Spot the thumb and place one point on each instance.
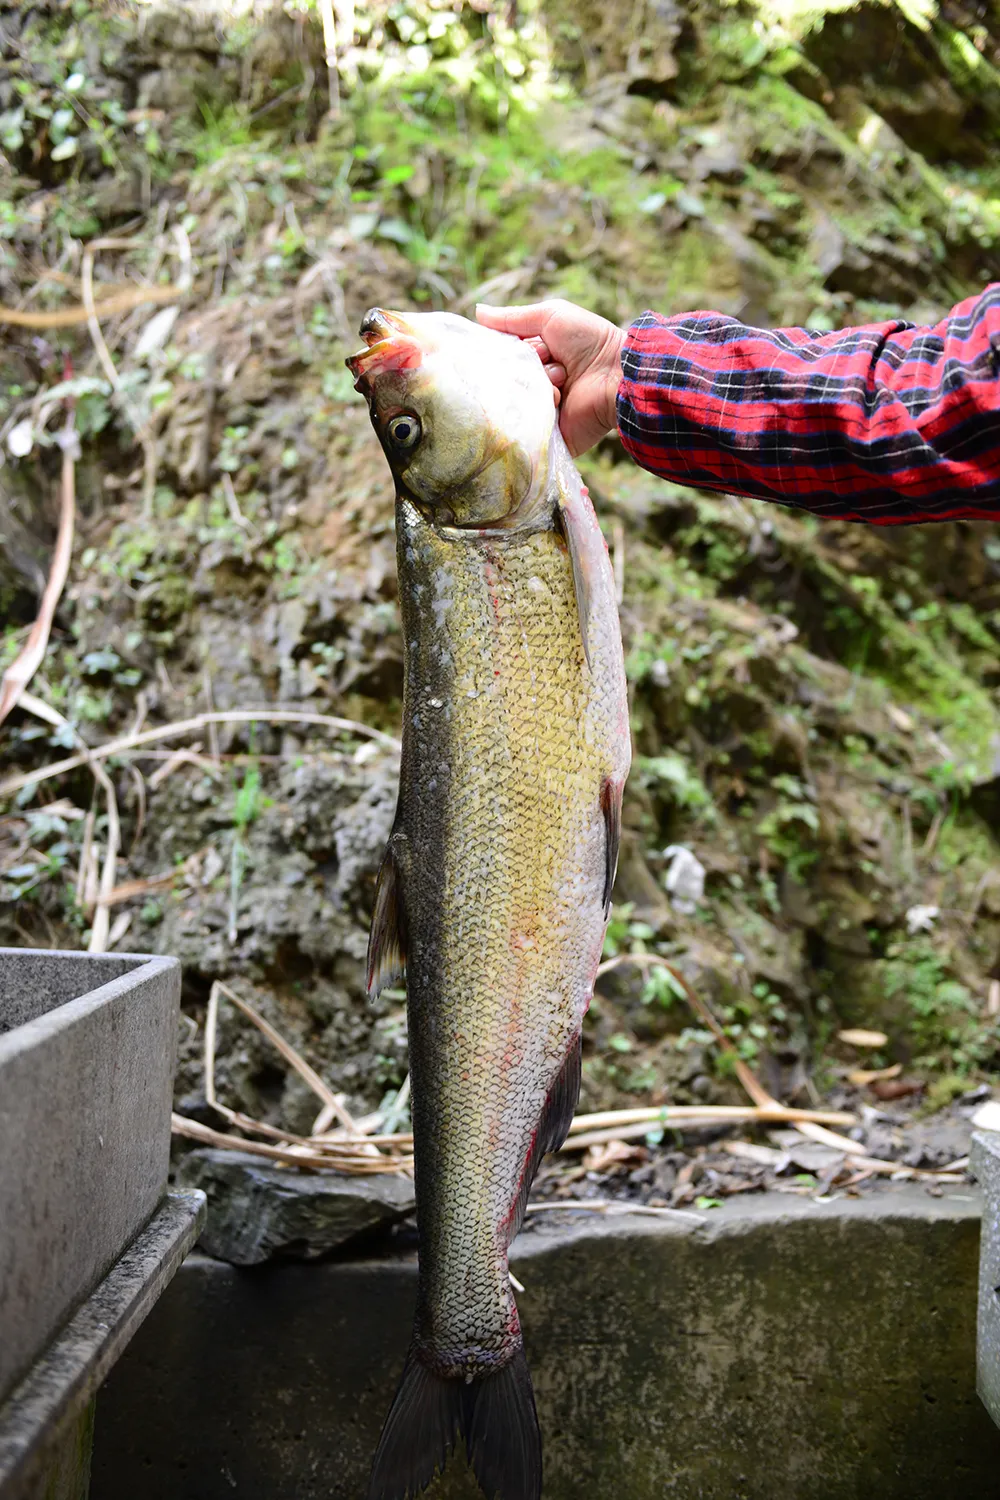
(524, 322)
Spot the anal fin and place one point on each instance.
(611, 807)
(553, 1128)
(386, 939)
(560, 1106)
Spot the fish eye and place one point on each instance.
(404, 431)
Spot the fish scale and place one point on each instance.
(523, 851)
(495, 887)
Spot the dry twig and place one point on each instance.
(611, 1208)
(288, 1052)
(104, 307)
(24, 666)
(758, 1093)
(127, 742)
(342, 1161)
(99, 898)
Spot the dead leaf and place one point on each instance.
(761, 1156)
(860, 1077)
(898, 1088)
(614, 1154)
(857, 1036)
(900, 718)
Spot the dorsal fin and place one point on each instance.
(386, 939)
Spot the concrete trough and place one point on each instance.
(985, 1161)
(47, 1421)
(87, 1047)
(776, 1348)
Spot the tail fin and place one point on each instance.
(495, 1415)
(502, 1438)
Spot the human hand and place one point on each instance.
(581, 353)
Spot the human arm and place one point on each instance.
(887, 423)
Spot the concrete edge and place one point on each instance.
(148, 967)
(742, 1215)
(71, 1370)
(984, 1153)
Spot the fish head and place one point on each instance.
(464, 414)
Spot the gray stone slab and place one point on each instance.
(46, 1422)
(86, 1066)
(985, 1161)
(774, 1349)
(259, 1212)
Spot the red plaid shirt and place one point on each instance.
(888, 424)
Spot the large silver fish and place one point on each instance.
(495, 887)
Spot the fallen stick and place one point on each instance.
(101, 898)
(24, 666)
(694, 1117)
(869, 1166)
(720, 1113)
(758, 1093)
(288, 1052)
(127, 742)
(604, 1206)
(346, 1162)
(585, 1130)
(104, 307)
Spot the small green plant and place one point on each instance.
(673, 777)
(941, 1007)
(790, 828)
(246, 807)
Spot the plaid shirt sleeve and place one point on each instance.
(888, 423)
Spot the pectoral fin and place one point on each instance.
(611, 807)
(386, 940)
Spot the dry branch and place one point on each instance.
(291, 1056)
(99, 898)
(344, 1161)
(758, 1093)
(606, 1206)
(128, 742)
(104, 307)
(24, 666)
(670, 1114)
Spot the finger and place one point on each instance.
(525, 322)
(556, 373)
(556, 395)
(541, 348)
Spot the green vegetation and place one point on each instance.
(815, 708)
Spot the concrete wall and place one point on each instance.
(85, 1089)
(781, 1350)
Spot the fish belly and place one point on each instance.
(500, 838)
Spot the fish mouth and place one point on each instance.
(391, 345)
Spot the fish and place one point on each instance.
(494, 891)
